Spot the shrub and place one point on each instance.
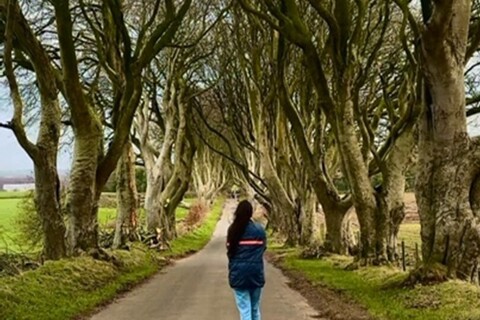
(28, 224)
(196, 214)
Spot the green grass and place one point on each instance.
(106, 216)
(377, 289)
(181, 214)
(70, 288)
(198, 238)
(67, 288)
(13, 194)
(8, 211)
(410, 233)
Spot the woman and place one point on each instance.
(246, 243)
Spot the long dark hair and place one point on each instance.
(243, 213)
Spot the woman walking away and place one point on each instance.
(246, 243)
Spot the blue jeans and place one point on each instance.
(248, 303)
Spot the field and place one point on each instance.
(8, 212)
(9, 202)
(8, 209)
(13, 194)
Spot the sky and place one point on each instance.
(13, 158)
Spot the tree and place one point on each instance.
(163, 124)
(124, 64)
(127, 197)
(211, 173)
(448, 164)
(341, 66)
(44, 152)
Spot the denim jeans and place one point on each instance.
(248, 303)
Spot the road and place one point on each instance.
(196, 288)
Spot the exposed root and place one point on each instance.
(315, 252)
(427, 275)
(103, 255)
(14, 264)
(368, 262)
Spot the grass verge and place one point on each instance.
(69, 288)
(199, 237)
(377, 289)
(64, 289)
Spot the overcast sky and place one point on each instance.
(13, 157)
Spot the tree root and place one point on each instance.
(103, 255)
(315, 252)
(427, 275)
(367, 262)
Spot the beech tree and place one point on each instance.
(447, 187)
(20, 39)
(123, 58)
(163, 125)
(341, 76)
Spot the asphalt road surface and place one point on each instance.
(196, 288)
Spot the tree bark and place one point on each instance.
(178, 183)
(48, 206)
(127, 197)
(358, 176)
(47, 183)
(44, 152)
(335, 238)
(448, 160)
(83, 195)
(390, 198)
(307, 212)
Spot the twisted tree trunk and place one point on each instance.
(391, 208)
(127, 197)
(83, 195)
(44, 152)
(449, 163)
(358, 176)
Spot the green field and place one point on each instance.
(9, 202)
(9, 210)
(410, 233)
(13, 194)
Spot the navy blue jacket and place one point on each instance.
(245, 268)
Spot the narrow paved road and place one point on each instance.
(196, 288)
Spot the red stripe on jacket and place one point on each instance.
(249, 243)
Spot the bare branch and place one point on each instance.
(16, 124)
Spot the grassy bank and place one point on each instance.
(198, 238)
(378, 291)
(65, 289)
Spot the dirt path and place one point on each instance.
(196, 288)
